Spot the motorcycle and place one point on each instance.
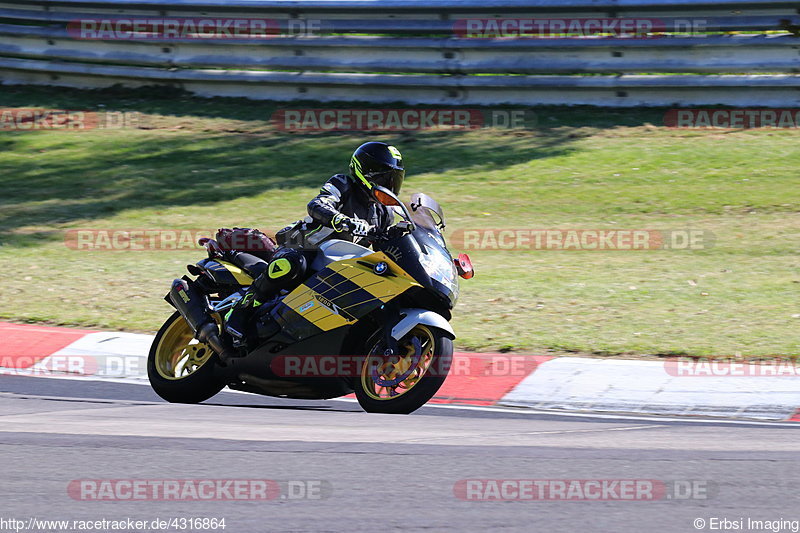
(374, 322)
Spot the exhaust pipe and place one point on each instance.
(193, 307)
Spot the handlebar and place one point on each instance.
(392, 232)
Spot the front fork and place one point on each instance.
(390, 316)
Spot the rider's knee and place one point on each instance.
(285, 271)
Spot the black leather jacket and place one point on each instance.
(339, 195)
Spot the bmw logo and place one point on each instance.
(381, 268)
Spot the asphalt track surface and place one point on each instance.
(379, 472)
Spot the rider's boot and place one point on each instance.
(238, 318)
(283, 272)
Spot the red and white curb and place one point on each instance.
(534, 382)
(655, 388)
(52, 351)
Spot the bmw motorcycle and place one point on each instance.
(374, 322)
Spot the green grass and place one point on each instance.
(212, 163)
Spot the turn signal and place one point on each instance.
(464, 266)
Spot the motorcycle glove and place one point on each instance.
(354, 226)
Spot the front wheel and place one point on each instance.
(181, 369)
(401, 384)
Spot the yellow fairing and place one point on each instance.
(240, 275)
(348, 285)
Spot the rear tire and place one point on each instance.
(368, 391)
(166, 362)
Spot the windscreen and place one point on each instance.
(426, 212)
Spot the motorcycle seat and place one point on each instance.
(255, 266)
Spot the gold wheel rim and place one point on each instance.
(389, 369)
(179, 354)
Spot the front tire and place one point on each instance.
(403, 384)
(181, 369)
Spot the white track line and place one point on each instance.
(517, 411)
(607, 416)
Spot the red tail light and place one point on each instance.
(464, 266)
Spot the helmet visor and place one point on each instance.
(391, 179)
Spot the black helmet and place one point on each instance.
(378, 163)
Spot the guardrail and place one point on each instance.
(411, 51)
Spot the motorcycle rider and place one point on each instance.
(345, 208)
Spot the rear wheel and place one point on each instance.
(180, 368)
(401, 384)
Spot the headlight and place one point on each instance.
(440, 267)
